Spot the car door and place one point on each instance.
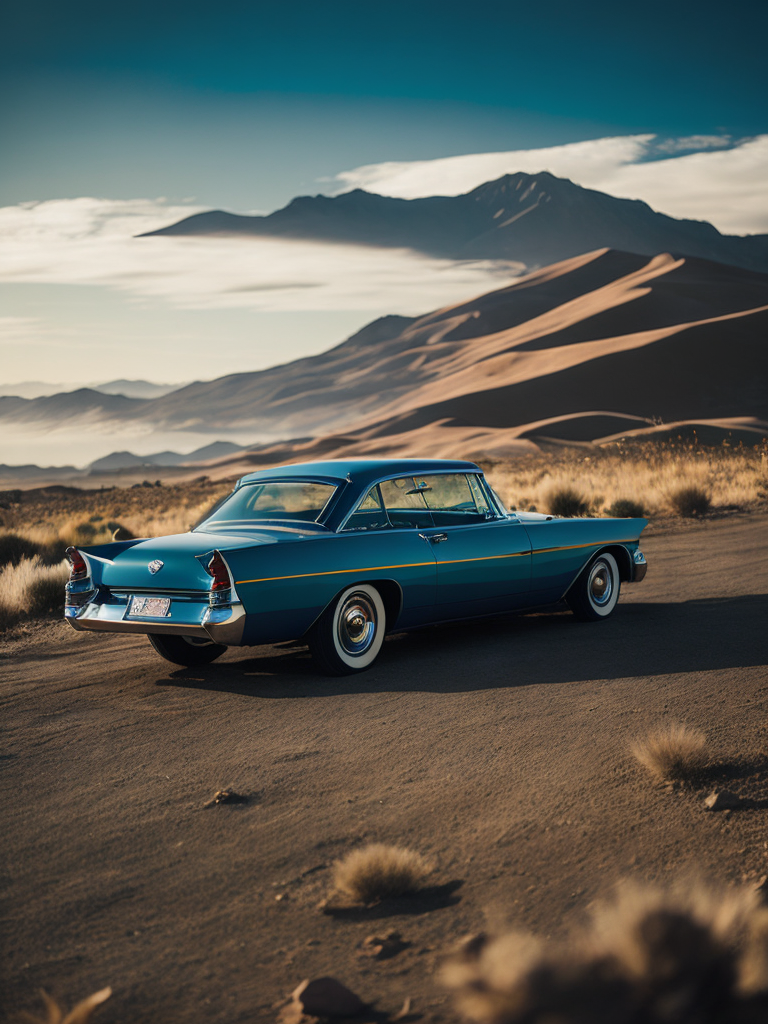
(483, 558)
(390, 545)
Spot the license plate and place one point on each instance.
(150, 607)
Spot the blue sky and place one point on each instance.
(116, 119)
(246, 104)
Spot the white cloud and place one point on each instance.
(729, 188)
(726, 186)
(91, 241)
(449, 176)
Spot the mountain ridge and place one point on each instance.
(533, 219)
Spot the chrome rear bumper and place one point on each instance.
(223, 624)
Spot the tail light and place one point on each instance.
(217, 568)
(78, 567)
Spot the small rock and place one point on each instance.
(327, 997)
(382, 947)
(226, 796)
(722, 800)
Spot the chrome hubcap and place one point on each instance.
(357, 624)
(600, 584)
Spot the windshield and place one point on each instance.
(293, 500)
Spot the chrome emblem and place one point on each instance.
(155, 566)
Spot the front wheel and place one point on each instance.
(348, 635)
(595, 593)
(185, 650)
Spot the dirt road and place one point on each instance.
(499, 747)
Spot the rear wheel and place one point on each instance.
(185, 650)
(348, 635)
(595, 593)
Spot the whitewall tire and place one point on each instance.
(595, 593)
(348, 635)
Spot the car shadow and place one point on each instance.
(640, 639)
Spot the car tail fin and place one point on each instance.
(78, 567)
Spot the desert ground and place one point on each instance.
(499, 748)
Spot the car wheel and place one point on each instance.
(595, 593)
(348, 635)
(185, 650)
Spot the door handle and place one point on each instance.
(434, 537)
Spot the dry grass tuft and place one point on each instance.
(626, 508)
(689, 956)
(31, 588)
(79, 1015)
(690, 500)
(566, 501)
(648, 472)
(672, 752)
(378, 872)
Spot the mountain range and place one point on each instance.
(531, 219)
(127, 388)
(604, 345)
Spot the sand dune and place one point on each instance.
(573, 314)
(603, 345)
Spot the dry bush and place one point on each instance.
(566, 501)
(690, 500)
(175, 520)
(84, 533)
(31, 588)
(378, 872)
(672, 752)
(14, 547)
(626, 508)
(685, 956)
(79, 1015)
(647, 472)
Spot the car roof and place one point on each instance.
(360, 471)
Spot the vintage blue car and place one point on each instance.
(339, 553)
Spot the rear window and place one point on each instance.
(293, 500)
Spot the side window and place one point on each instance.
(370, 514)
(404, 502)
(453, 500)
(479, 495)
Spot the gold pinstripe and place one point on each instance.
(413, 565)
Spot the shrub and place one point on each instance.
(378, 872)
(79, 1015)
(672, 752)
(626, 508)
(31, 588)
(690, 500)
(84, 532)
(688, 957)
(14, 547)
(566, 501)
